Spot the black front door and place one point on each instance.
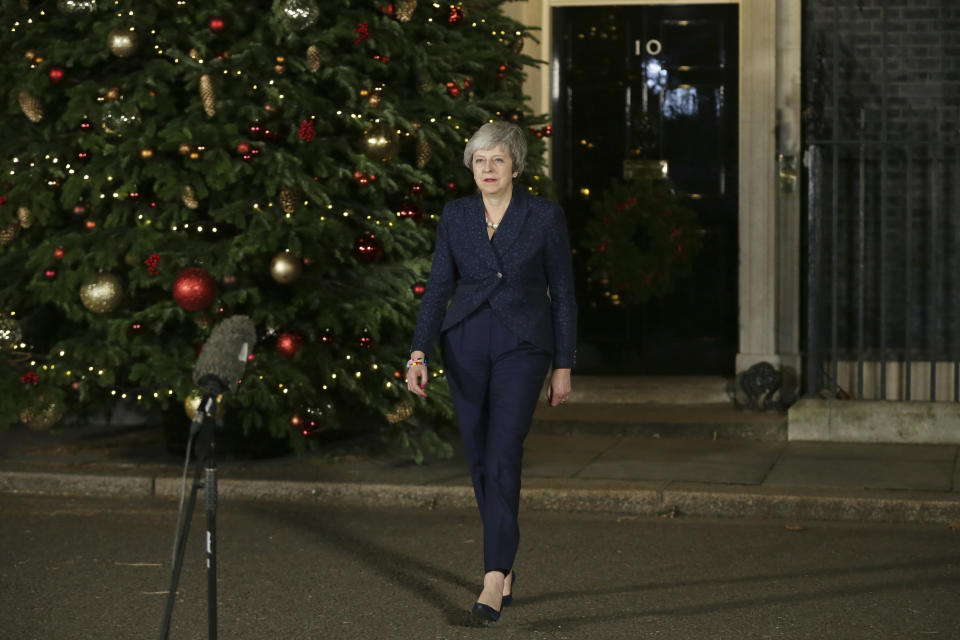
(654, 83)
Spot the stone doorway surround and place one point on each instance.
(770, 214)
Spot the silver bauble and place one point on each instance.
(298, 15)
(76, 6)
(102, 293)
(122, 42)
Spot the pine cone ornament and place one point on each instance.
(207, 95)
(314, 58)
(288, 200)
(8, 233)
(30, 106)
(424, 150)
(25, 216)
(189, 198)
(405, 10)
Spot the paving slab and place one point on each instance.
(727, 461)
(862, 466)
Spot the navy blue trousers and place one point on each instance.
(495, 380)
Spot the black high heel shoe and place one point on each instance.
(485, 613)
(508, 599)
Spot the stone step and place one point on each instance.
(680, 390)
(721, 421)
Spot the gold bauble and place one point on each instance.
(192, 404)
(10, 334)
(194, 155)
(207, 96)
(122, 42)
(279, 69)
(374, 100)
(30, 54)
(285, 268)
(25, 216)
(9, 233)
(314, 58)
(102, 293)
(146, 154)
(184, 148)
(400, 412)
(405, 10)
(380, 143)
(43, 416)
(30, 106)
(113, 93)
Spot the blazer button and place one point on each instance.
(499, 275)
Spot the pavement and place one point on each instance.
(708, 460)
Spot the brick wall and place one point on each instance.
(878, 70)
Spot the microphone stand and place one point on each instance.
(203, 427)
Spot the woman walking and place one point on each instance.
(504, 257)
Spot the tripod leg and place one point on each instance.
(178, 560)
(210, 493)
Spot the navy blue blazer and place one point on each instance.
(525, 273)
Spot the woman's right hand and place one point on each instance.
(417, 376)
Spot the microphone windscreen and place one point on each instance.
(225, 352)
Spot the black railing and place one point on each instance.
(883, 269)
(882, 201)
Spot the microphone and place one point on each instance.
(224, 357)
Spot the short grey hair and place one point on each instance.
(498, 133)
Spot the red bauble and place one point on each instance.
(243, 147)
(50, 274)
(56, 74)
(456, 15)
(194, 289)
(366, 342)
(419, 289)
(288, 343)
(217, 25)
(367, 248)
(58, 253)
(409, 210)
(453, 90)
(502, 71)
(86, 125)
(451, 186)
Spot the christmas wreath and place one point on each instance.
(640, 241)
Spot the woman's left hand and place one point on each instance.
(559, 389)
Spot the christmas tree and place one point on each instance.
(166, 165)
